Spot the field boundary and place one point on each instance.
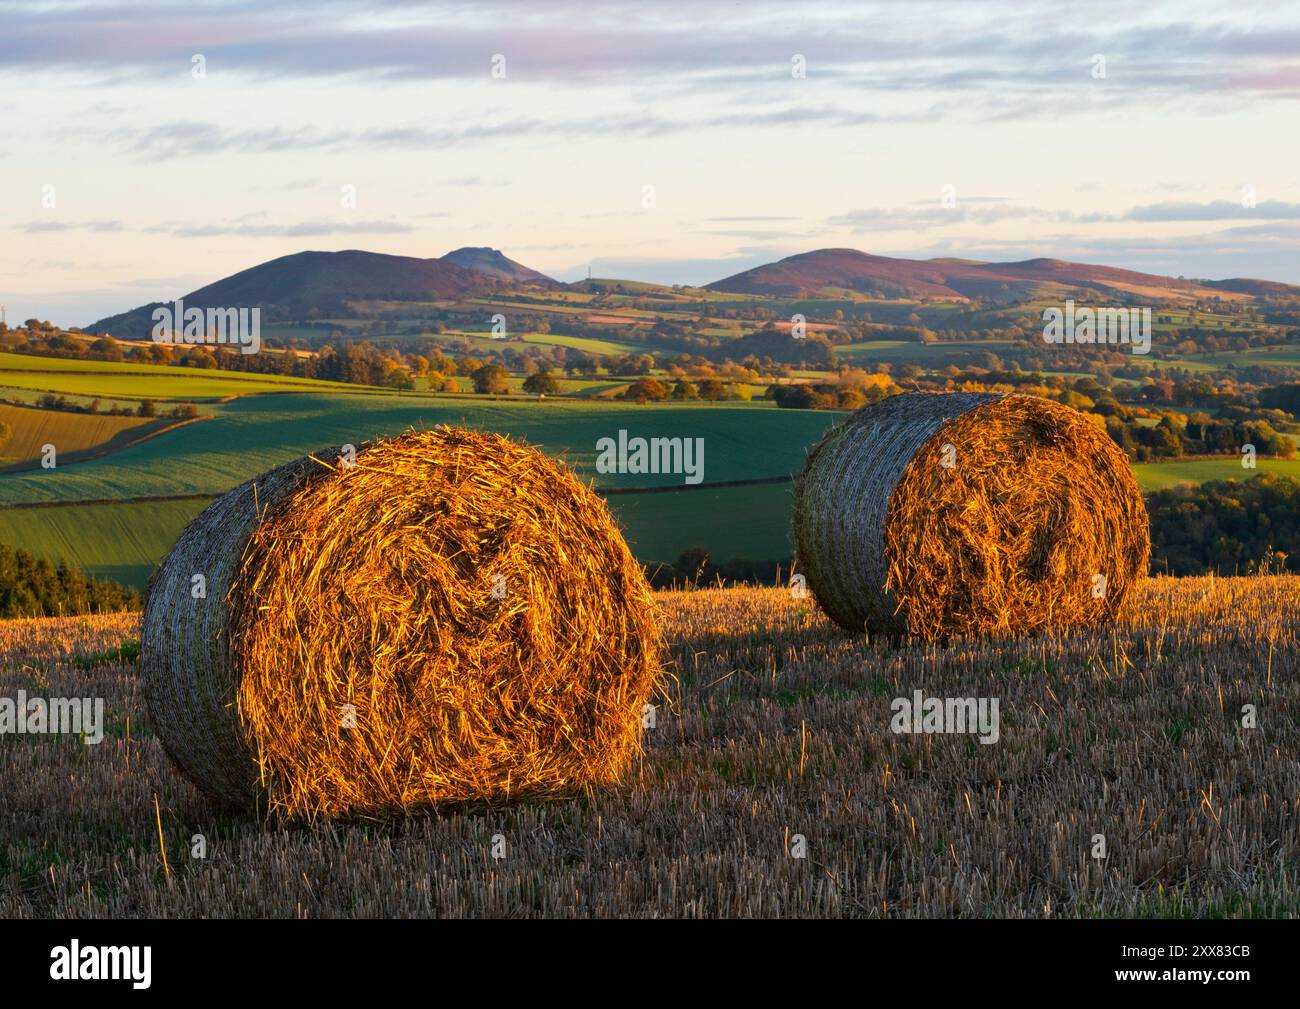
(602, 491)
(676, 488)
(108, 501)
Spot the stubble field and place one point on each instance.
(773, 736)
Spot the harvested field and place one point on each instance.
(778, 725)
(75, 436)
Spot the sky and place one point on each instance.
(151, 148)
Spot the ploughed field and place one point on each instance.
(774, 736)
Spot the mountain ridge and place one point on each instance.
(313, 284)
(812, 274)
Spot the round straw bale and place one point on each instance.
(451, 617)
(959, 513)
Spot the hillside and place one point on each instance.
(314, 283)
(830, 271)
(494, 263)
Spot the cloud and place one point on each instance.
(924, 218)
(305, 229)
(869, 46)
(165, 141)
(38, 227)
(1216, 210)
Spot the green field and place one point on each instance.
(145, 381)
(910, 352)
(252, 434)
(598, 348)
(1163, 475)
(731, 523)
(122, 541)
(248, 434)
(1286, 355)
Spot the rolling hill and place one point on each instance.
(321, 284)
(828, 272)
(318, 283)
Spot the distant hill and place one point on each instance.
(494, 263)
(835, 272)
(314, 283)
(1257, 288)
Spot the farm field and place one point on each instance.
(74, 435)
(731, 523)
(776, 725)
(110, 379)
(1277, 356)
(122, 540)
(911, 352)
(252, 434)
(125, 540)
(485, 341)
(1163, 475)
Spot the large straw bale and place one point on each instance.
(453, 618)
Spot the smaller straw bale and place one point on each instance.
(967, 513)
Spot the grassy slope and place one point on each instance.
(253, 434)
(778, 724)
(123, 542)
(750, 523)
(126, 540)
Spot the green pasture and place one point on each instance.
(252, 434)
(1163, 475)
(123, 541)
(110, 379)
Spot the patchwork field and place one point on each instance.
(109, 379)
(74, 435)
(124, 539)
(774, 731)
(252, 434)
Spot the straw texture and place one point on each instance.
(455, 618)
(1036, 521)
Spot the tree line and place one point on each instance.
(31, 587)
